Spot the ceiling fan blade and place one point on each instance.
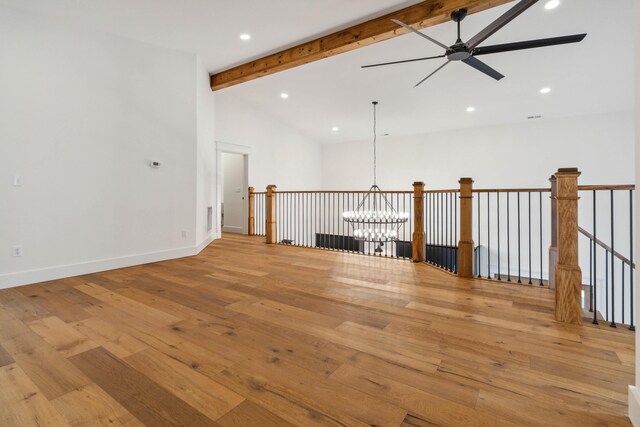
(438, 69)
(503, 20)
(530, 44)
(402, 62)
(482, 67)
(402, 24)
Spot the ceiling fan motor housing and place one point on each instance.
(458, 15)
(458, 52)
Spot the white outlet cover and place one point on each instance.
(17, 251)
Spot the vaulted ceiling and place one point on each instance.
(594, 76)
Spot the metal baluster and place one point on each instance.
(449, 230)
(341, 223)
(631, 236)
(529, 209)
(479, 244)
(508, 240)
(440, 228)
(622, 265)
(613, 286)
(595, 264)
(541, 284)
(519, 266)
(446, 226)
(606, 284)
(590, 277)
(333, 221)
(498, 215)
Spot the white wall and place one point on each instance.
(278, 153)
(205, 158)
(81, 116)
(233, 191)
(523, 155)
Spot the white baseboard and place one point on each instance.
(232, 229)
(634, 405)
(20, 278)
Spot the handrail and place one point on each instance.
(606, 187)
(606, 247)
(343, 192)
(456, 190)
(475, 190)
(512, 190)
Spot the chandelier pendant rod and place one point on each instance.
(375, 137)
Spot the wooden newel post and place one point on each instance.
(251, 230)
(418, 246)
(568, 275)
(271, 231)
(553, 248)
(465, 245)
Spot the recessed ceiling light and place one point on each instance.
(552, 4)
(471, 109)
(545, 90)
(335, 129)
(284, 95)
(245, 36)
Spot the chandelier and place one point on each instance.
(375, 220)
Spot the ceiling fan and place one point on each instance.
(467, 52)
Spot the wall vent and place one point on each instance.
(209, 218)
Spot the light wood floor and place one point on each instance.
(247, 334)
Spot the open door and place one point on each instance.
(233, 197)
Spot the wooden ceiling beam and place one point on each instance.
(421, 15)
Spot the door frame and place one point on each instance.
(245, 152)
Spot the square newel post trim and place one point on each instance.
(465, 245)
(251, 229)
(271, 230)
(568, 276)
(418, 245)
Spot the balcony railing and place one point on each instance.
(526, 236)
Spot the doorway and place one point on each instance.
(233, 215)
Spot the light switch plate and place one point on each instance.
(17, 180)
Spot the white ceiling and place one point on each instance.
(591, 77)
(211, 28)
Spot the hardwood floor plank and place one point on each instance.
(199, 391)
(90, 405)
(61, 336)
(109, 336)
(22, 403)
(251, 414)
(47, 368)
(62, 307)
(145, 399)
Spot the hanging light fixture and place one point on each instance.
(375, 220)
